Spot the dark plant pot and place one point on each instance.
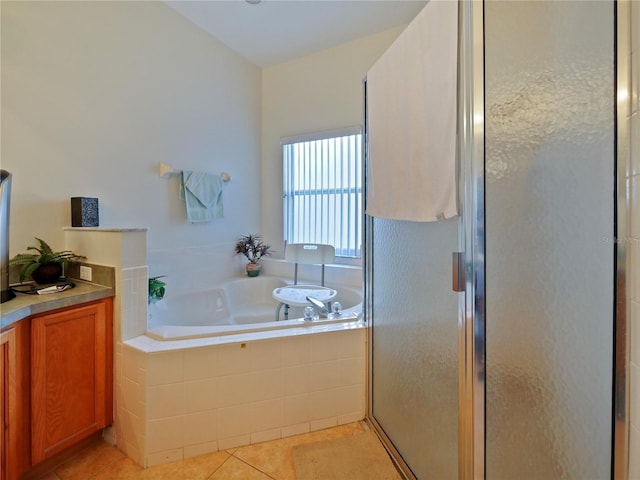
(253, 269)
(47, 273)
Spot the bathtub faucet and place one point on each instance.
(319, 307)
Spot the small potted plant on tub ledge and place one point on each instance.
(157, 289)
(252, 247)
(45, 266)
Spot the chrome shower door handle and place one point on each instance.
(458, 279)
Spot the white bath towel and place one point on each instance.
(202, 193)
(411, 104)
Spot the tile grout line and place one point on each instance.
(254, 467)
(210, 475)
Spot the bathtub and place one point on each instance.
(242, 305)
(216, 371)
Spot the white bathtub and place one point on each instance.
(191, 389)
(240, 306)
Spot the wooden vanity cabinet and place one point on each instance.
(14, 401)
(8, 396)
(71, 376)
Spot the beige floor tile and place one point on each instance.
(276, 458)
(358, 427)
(204, 466)
(125, 469)
(261, 461)
(234, 469)
(170, 471)
(273, 458)
(360, 456)
(198, 468)
(89, 462)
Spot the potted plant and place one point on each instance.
(252, 247)
(156, 289)
(45, 266)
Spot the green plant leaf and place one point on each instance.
(28, 270)
(156, 289)
(252, 247)
(31, 261)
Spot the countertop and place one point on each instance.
(25, 305)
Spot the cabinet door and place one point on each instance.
(8, 402)
(71, 377)
(14, 401)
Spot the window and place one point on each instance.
(323, 190)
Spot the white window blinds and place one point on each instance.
(323, 190)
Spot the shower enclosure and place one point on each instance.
(517, 376)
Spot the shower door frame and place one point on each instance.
(622, 308)
(471, 240)
(473, 320)
(471, 448)
(473, 326)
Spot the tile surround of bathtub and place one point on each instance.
(131, 406)
(134, 302)
(180, 403)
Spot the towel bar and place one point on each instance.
(164, 170)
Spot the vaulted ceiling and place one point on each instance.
(276, 31)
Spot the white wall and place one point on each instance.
(95, 94)
(317, 92)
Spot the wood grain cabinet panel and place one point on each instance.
(14, 401)
(71, 377)
(8, 394)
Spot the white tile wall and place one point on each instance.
(201, 363)
(166, 367)
(134, 303)
(266, 415)
(634, 245)
(181, 403)
(202, 395)
(200, 449)
(131, 406)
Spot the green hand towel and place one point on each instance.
(202, 193)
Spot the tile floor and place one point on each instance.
(263, 461)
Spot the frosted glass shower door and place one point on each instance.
(415, 343)
(549, 185)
